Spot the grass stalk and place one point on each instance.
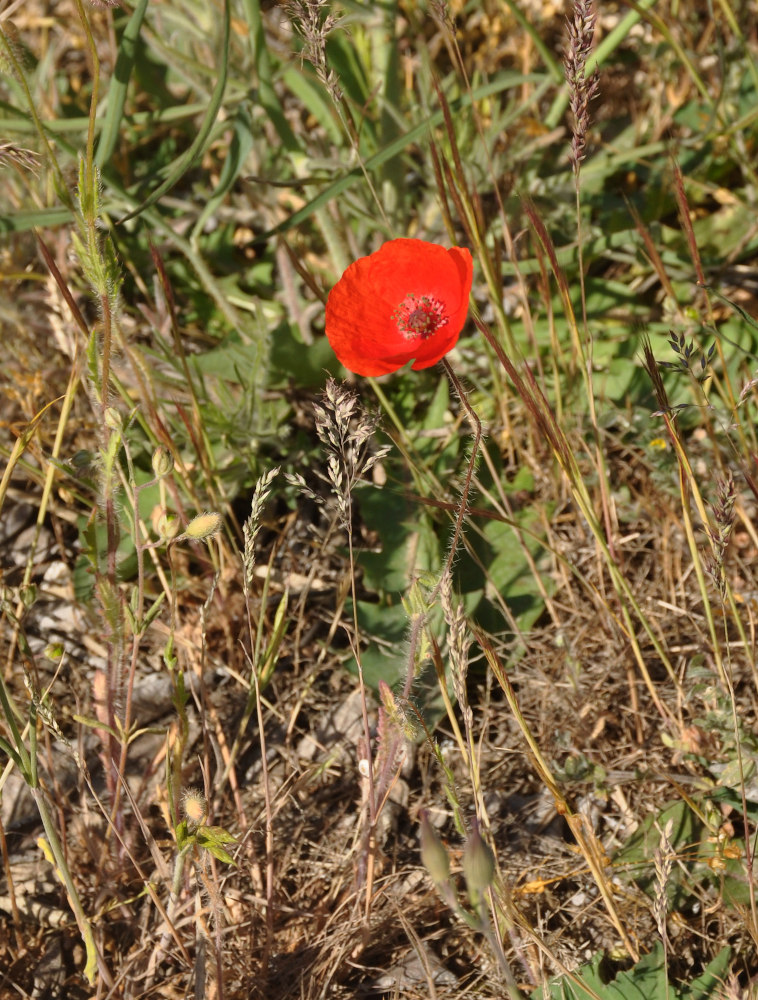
(586, 840)
(26, 761)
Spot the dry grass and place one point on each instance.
(238, 811)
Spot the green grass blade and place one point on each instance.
(267, 95)
(608, 45)
(197, 146)
(118, 86)
(505, 82)
(240, 146)
(551, 63)
(19, 123)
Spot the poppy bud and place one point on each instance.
(478, 862)
(434, 857)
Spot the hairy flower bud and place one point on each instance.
(478, 862)
(194, 806)
(204, 525)
(163, 463)
(434, 857)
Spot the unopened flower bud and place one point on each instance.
(53, 651)
(163, 463)
(434, 857)
(478, 862)
(165, 525)
(194, 806)
(204, 525)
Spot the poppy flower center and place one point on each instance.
(418, 317)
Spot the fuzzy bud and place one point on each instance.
(53, 651)
(434, 857)
(478, 862)
(203, 526)
(163, 463)
(194, 807)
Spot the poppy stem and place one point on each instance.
(477, 428)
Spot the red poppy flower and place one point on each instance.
(406, 301)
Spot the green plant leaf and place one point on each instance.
(504, 81)
(645, 981)
(635, 859)
(407, 542)
(293, 360)
(711, 983)
(386, 626)
(118, 86)
(198, 144)
(212, 838)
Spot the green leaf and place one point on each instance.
(733, 775)
(646, 980)
(152, 611)
(504, 81)
(384, 659)
(220, 854)
(198, 145)
(291, 359)
(710, 984)
(212, 838)
(7, 748)
(217, 833)
(118, 86)
(182, 834)
(500, 570)
(312, 96)
(635, 859)
(237, 153)
(407, 543)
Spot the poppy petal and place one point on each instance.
(406, 301)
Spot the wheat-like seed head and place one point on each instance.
(581, 31)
